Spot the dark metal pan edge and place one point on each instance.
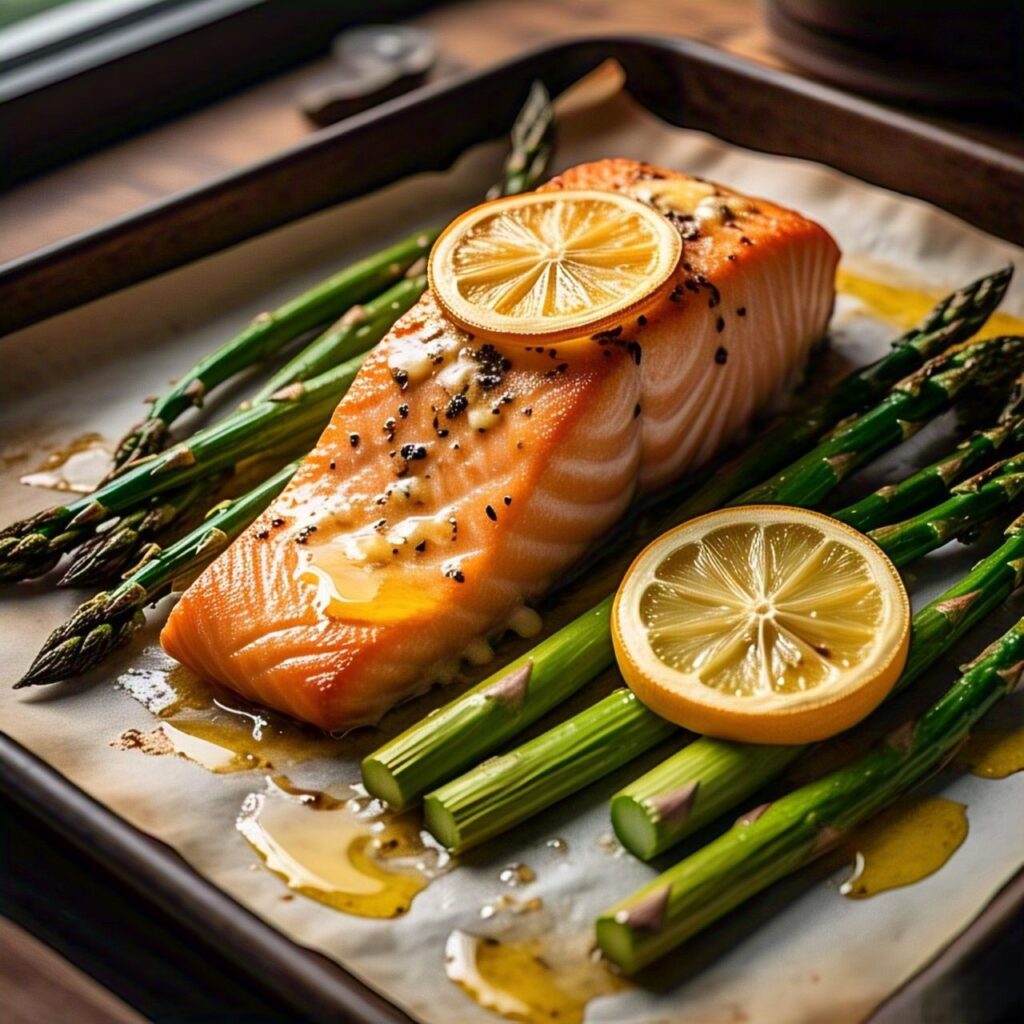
(162, 877)
(689, 84)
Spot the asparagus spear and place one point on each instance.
(708, 777)
(32, 546)
(954, 319)
(803, 825)
(343, 339)
(269, 332)
(898, 416)
(477, 723)
(927, 486)
(108, 620)
(531, 139)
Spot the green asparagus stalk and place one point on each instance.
(910, 404)
(530, 150)
(955, 319)
(108, 620)
(929, 485)
(531, 141)
(343, 340)
(486, 800)
(795, 830)
(506, 790)
(131, 539)
(460, 733)
(301, 413)
(709, 777)
(268, 333)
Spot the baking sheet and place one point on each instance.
(799, 953)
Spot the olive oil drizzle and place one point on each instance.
(76, 467)
(993, 753)
(536, 981)
(345, 851)
(214, 728)
(905, 844)
(905, 307)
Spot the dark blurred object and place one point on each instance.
(375, 63)
(957, 55)
(62, 94)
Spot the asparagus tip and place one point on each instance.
(955, 608)
(195, 392)
(180, 458)
(902, 737)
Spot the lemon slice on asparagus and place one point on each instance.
(553, 266)
(763, 624)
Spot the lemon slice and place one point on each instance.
(552, 265)
(764, 624)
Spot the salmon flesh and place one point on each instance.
(457, 479)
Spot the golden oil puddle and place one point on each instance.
(346, 851)
(77, 467)
(537, 981)
(993, 753)
(905, 307)
(214, 727)
(904, 844)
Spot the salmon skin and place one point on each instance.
(457, 480)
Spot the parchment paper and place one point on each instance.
(799, 953)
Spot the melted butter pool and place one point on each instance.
(215, 728)
(347, 852)
(537, 981)
(905, 307)
(905, 844)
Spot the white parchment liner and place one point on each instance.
(802, 952)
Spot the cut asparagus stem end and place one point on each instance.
(503, 791)
(472, 726)
(801, 826)
(441, 824)
(382, 782)
(729, 773)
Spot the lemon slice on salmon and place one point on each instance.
(764, 624)
(553, 266)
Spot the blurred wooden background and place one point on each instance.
(265, 118)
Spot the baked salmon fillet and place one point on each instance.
(458, 479)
